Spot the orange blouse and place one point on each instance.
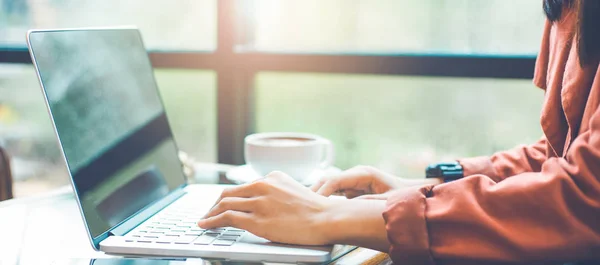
(532, 204)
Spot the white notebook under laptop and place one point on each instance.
(121, 155)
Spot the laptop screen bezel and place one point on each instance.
(143, 214)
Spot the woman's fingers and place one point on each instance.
(315, 187)
(238, 198)
(232, 204)
(243, 191)
(227, 218)
(357, 178)
(381, 196)
(329, 187)
(350, 194)
(249, 190)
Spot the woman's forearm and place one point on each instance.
(356, 222)
(420, 182)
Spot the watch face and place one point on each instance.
(433, 172)
(449, 171)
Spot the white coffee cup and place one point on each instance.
(296, 154)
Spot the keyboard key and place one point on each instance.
(230, 238)
(212, 234)
(185, 239)
(232, 229)
(166, 239)
(193, 217)
(150, 236)
(193, 234)
(219, 242)
(204, 240)
(232, 233)
(144, 241)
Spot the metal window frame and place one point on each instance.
(236, 71)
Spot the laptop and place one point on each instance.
(122, 158)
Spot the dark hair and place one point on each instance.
(587, 29)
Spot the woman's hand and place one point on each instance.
(365, 182)
(280, 209)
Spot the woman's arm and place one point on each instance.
(501, 165)
(547, 216)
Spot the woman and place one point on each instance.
(538, 203)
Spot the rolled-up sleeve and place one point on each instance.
(406, 226)
(549, 216)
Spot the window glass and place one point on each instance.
(176, 25)
(27, 134)
(190, 98)
(502, 27)
(401, 124)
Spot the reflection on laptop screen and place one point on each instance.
(110, 121)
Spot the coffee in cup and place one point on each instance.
(296, 154)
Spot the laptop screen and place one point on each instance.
(110, 121)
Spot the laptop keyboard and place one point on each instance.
(177, 225)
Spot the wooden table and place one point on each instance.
(46, 228)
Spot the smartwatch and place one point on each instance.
(447, 171)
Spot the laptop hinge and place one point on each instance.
(143, 215)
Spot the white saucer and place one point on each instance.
(244, 174)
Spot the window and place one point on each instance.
(190, 99)
(394, 83)
(178, 25)
(401, 124)
(26, 132)
(498, 27)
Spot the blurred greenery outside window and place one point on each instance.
(176, 26)
(401, 123)
(473, 27)
(398, 123)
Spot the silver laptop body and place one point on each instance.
(113, 131)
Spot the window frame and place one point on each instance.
(235, 73)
